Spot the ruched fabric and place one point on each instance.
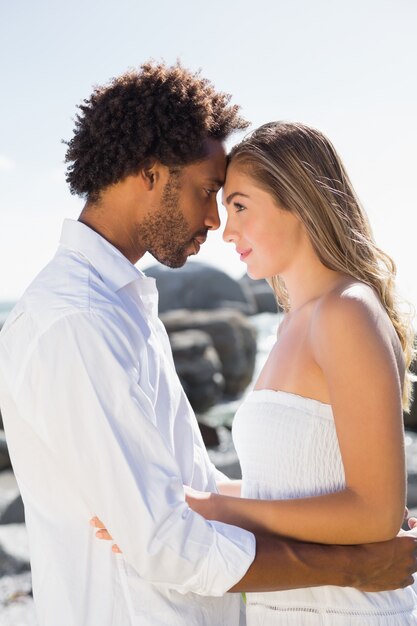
(288, 448)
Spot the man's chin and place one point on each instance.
(171, 262)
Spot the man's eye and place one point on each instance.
(210, 191)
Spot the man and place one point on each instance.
(96, 420)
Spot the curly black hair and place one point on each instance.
(155, 112)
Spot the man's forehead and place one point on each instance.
(213, 166)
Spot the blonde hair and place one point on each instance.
(299, 166)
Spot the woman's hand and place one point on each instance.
(102, 533)
(202, 502)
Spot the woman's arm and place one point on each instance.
(230, 488)
(351, 344)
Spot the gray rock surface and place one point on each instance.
(16, 602)
(199, 368)
(14, 513)
(411, 458)
(233, 337)
(261, 292)
(197, 286)
(4, 454)
(410, 419)
(11, 506)
(14, 550)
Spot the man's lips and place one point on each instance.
(244, 253)
(198, 242)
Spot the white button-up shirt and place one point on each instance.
(98, 424)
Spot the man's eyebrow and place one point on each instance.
(216, 182)
(235, 193)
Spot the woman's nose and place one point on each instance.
(229, 234)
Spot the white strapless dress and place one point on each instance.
(288, 448)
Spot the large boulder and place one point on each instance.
(411, 461)
(14, 513)
(198, 367)
(261, 292)
(4, 453)
(197, 286)
(11, 505)
(233, 337)
(410, 418)
(14, 550)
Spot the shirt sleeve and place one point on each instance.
(81, 388)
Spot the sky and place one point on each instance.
(347, 68)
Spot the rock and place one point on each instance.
(410, 440)
(233, 337)
(224, 456)
(14, 512)
(4, 453)
(14, 550)
(10, 565)
(209, 434)
(16, 601)
(198, 367)
(261, 293)
(197, 286)
(11, 506)
(410, 419)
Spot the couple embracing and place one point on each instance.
(97, 422)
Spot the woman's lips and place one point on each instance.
(243, 254)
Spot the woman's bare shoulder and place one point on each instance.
(351, 299)
(352, 310)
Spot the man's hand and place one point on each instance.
(201, 502)
(386, 565)
(282, 564)
(102, 533)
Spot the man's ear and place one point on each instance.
(150, 173)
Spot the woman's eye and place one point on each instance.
(239, 207)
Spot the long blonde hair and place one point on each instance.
(300, 168)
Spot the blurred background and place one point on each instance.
(347, 68)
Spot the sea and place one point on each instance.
(5, 308)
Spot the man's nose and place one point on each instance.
(212, 220)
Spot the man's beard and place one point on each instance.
(165, 232)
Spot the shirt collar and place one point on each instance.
(114, 268)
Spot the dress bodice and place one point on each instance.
(288, 448)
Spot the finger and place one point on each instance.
(412, 522)
(103, 534)
(115, 548)
(96, 522)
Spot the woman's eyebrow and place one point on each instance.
(235, 193)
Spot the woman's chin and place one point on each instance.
(255, 275)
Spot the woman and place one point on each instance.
(320, 438)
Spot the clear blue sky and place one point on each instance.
(348, 68)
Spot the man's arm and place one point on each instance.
(284, 564)
(81, 391)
